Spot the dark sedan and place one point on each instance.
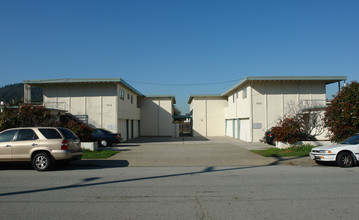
(105, 138)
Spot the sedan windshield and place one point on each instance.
(352, 140)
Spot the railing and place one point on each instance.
(312, 103)
(80, 116)
(56, 105)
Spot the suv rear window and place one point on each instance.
(67, 133)
(50, 133)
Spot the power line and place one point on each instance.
(183, 84)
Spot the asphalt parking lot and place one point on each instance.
(197, 152)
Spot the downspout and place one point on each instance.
(206, 117)
(158, 117)
(116, 109)
(251, 110)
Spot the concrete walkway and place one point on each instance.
(197, 152)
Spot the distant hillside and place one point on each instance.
(14, 93)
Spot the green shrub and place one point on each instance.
(26, 116)
(82, 131)
(38, 116)
(103, 154)
(288, 131)
(294, 151)
(341, 116)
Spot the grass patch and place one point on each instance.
(103, 154)
(295, 151)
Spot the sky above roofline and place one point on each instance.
(178, 47)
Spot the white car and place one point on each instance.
(345, 153)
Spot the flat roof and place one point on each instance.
(326, 79)
(81, 81)
(163, 96)
(203, 96)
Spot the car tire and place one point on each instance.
(103, 143)
(345, 159)
(42, 162)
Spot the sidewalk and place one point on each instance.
(197, 152)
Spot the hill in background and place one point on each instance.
(14, 94)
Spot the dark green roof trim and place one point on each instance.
(326, 79)
(178, 117)
(81, 81)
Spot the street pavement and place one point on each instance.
(210, 193)
(170, 178)
(197, 152)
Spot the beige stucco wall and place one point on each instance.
(238, 114)
(273, 100)
(238, 106)
(97, 101)
(156, 117)
(208, 116)
(127, 109)
(248, 118)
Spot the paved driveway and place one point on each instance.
(192, 152)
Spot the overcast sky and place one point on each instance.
(169, 47)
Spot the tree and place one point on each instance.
(341, 116)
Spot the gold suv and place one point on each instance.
(43, 146)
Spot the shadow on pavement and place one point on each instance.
(74, 165)
(89, 182)
(165, 139)
(95, 164)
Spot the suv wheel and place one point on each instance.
(41, 162)
(345, 159)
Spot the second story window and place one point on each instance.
(122, 94)
(244, 93)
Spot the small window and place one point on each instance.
(7, 135)
(27, 135)
(128, 96)
(50, 133)
(122, 94)
(131, 99)
(244, 93)
(233, 98)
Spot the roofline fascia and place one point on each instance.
(203, 96)
(172, 97)
(81, 80)
(331, 79)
